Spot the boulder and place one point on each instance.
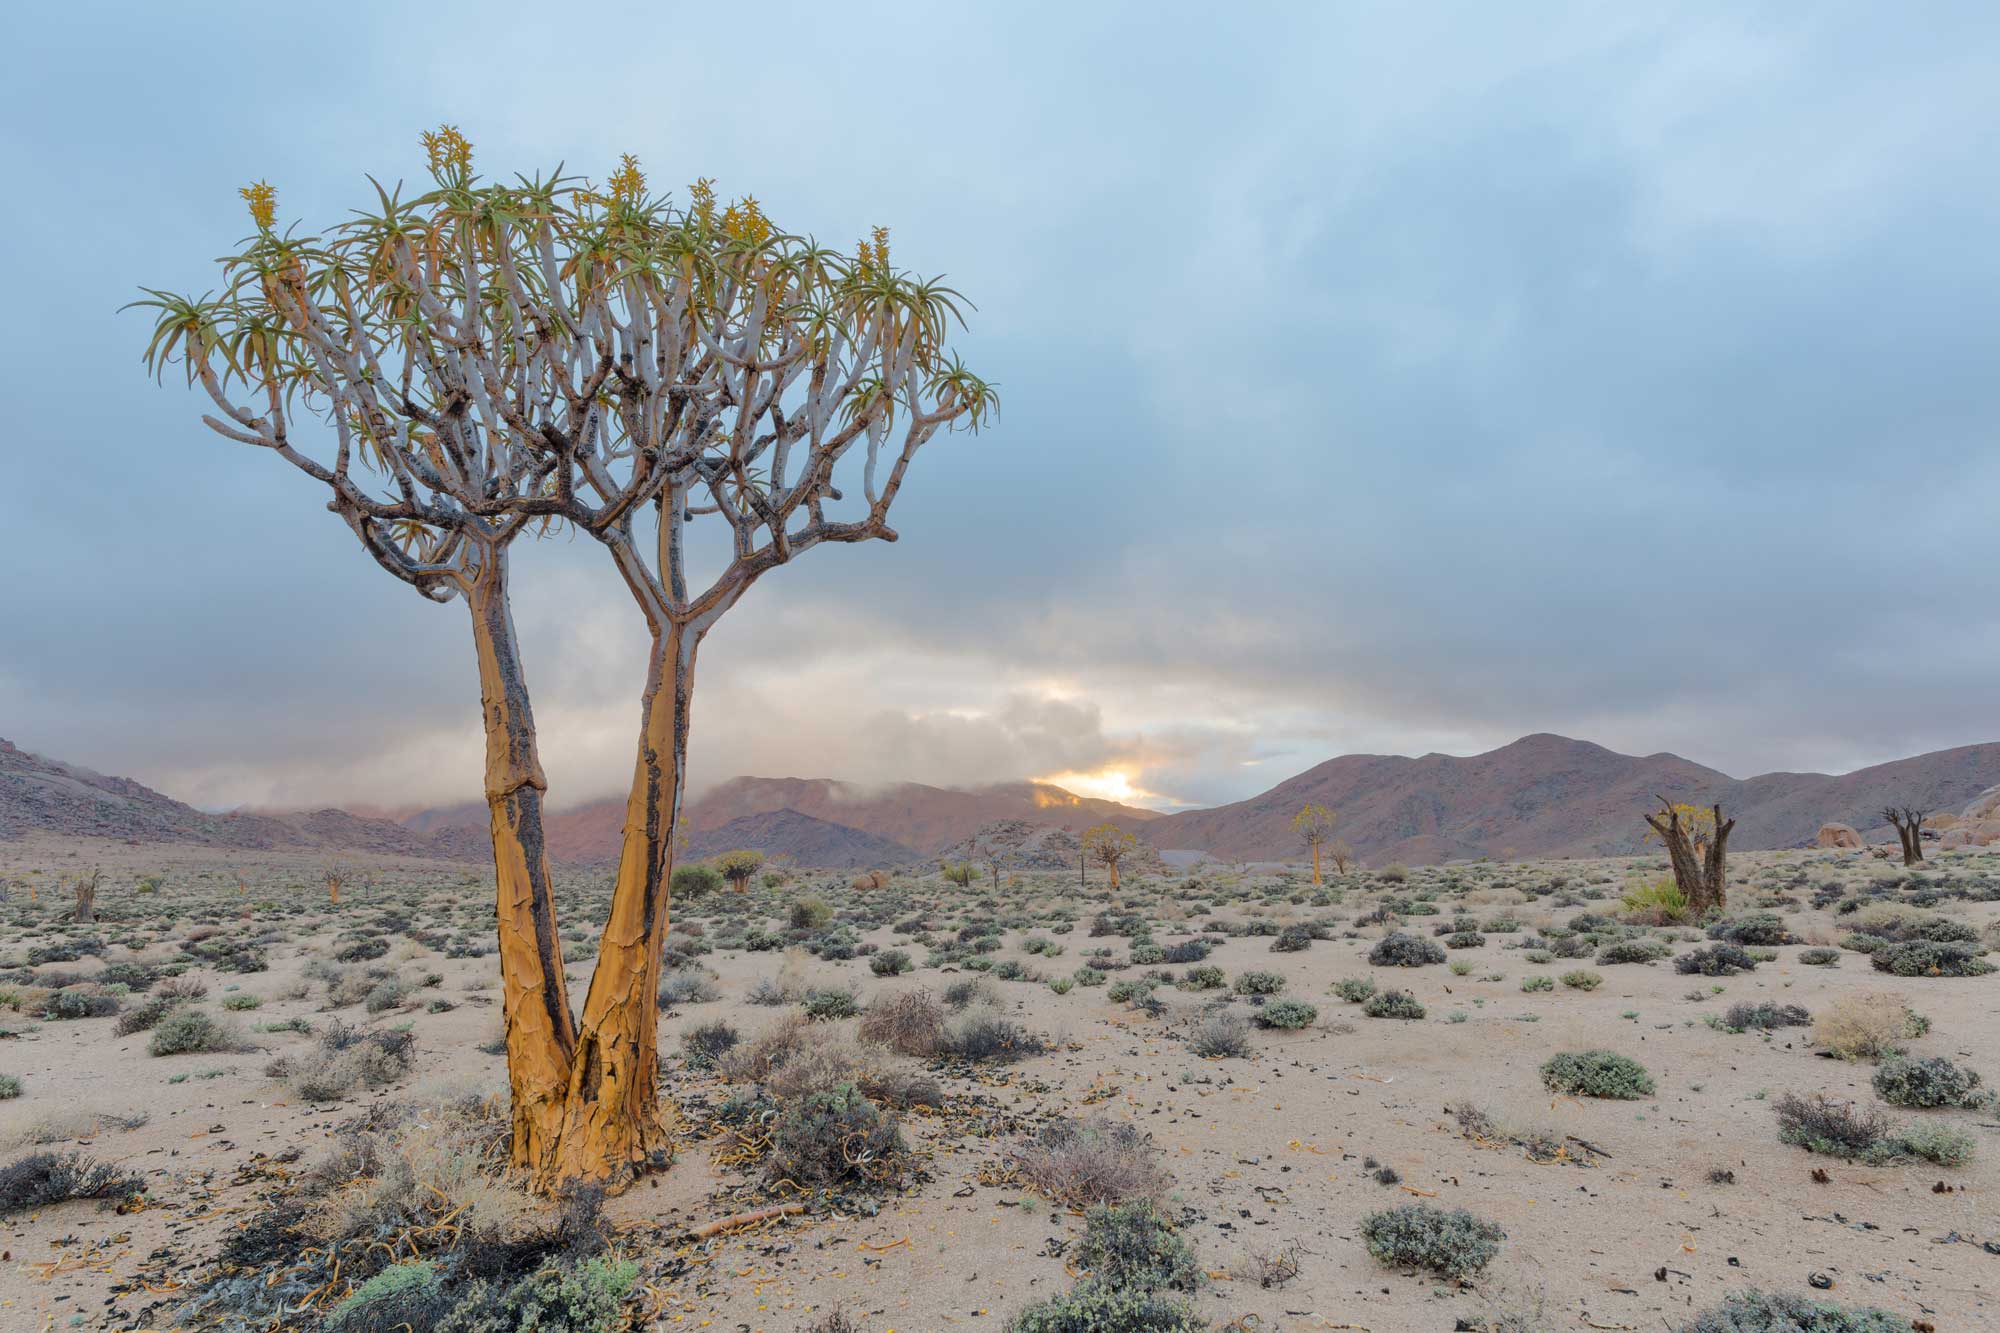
(1838, 835)
(1986, 805)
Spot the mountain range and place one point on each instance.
(1541, 796)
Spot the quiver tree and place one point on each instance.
(738, 866)
(1342, 853)
(1908, 821)
(499, 357)
(1697, 843)
(335, 876)
(86, 896)
(1108, 844)
(1314, 825)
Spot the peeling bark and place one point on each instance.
(612, 1126)
(540, 1030)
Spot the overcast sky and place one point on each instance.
(1376, 377)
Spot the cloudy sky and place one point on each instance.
(1376, 377)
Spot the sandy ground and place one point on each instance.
(1267, 1152)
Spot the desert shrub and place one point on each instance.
(1147, 954)
(10, 1087)
(1187, 951)
(1292, 939)
(986, 1034)
(142, 1017)
(183, 987)
(1453, 1243)
(1765, 1016)
(1642, 950)
(76, 1002)
(809, 913)
(1092, 1307)
(1782, 1312)
(687, 985)
(1582, 980)
(826, 1005)
(1659, 903)
(1925, 958)
(1929, 1082)
(187, 1031)
(890, 963)
(1942, 1144)
(1866, 1027)
(409, 1294)
(1400, 950)
(1220, 1036)
(1354, 989)
(387, 993)
(835, 1137)
(1130, 1246)
(1822, 1125)
(361, 950)
(135, 977)
(1259, 983)
(239, 1002)
(344, 1058)
(1062, 985)
(1393, 1004)
(1082, 1163)
(566, 1297)
(1538, 983)
(45, 1178)
(1087, 976)
(1755, 928)
(1597, 1074)
(1714, 960)
(1393, 873)
(706, 1043)
(694, 881)
(1289, 1015)
(1820, 957)
(1205, 977)
(1464, 939)
(908, 1022)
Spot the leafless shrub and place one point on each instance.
(1086, 1162)
(909, 1022)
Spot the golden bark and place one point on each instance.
(1315, 861)
(540, 1031)
(611, 1123)
(1114, 876)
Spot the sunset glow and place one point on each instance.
(1111, 783)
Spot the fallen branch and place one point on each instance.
(749, 1219)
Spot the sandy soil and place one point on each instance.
(1267, 1152)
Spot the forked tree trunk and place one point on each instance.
(1700, 874)
(540, 1031)
(611, 1122)
(86, 900)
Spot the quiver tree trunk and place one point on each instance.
(611, 1124)
(540, 1031)
(86, 899)
(1316, 862)
(1909, 825)
(1700, 872)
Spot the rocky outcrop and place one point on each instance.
(1838, 835)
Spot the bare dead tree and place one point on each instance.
(334, 874)
(1109, 844)
(1908, 821)
(552, 353)
(1700, 874)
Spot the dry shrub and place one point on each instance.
(793, 1059)
(45, 1178)
(1087, 1162)
(397, 1152)
(1867, 1026)
(908, 1022)
(343, 1059)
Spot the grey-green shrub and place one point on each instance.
(1596, 1074)
(1289, 1015)
(187, 1031)
(1393, 1004)
(1782, 1312)
(1928, 1082)
(1452, 1243)
(1260, 983)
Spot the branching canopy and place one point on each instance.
(485, 358)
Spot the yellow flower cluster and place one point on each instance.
(745, 220)
(263, 200)
(628, 183)
(702, 198)
(875, 253)
(447, 148)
